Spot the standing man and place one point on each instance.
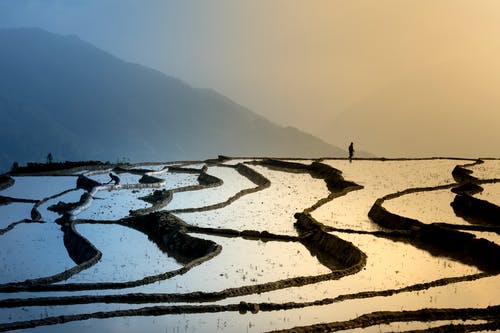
(351, 152)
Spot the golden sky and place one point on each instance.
(307, 63)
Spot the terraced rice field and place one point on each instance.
(254, 245)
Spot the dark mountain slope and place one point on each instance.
(62, 95)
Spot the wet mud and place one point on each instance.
(490, 314)
(6, 182)
(476, 211)
(170, 234)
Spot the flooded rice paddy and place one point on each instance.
(489, 169)
(379, 178)
(226, 256)
(490, 193)
(115, 204)
(37, 188)
(427, 207)
(27, 254)
(120, 262)
(210, 196)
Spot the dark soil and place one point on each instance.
(31, 168)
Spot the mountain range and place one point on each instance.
(62, 95)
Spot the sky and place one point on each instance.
(332, 68)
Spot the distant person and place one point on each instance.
(351, 152)
(114, 178)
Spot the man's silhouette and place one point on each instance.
(351, 152)
(114, 178)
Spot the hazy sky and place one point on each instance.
(305, 63)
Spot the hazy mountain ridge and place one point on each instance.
(62, 95)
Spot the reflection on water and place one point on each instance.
(115, 204)
(38, 187)
(127, 254)
(427, 207)
(36, 250)
(14, 212)
(177, 180)
(244, 262)
(491, 193)
(27, 313)
(271, 209)
(378, 178)
(412, 325)
(390, 265)
(31, 251)
(233, 183)
(487, 170)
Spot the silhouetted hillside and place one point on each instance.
(62, 95)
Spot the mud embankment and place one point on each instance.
(79, 248)
(66, 207)
(208, 180)
(180, 169)
(333, 178)
(205, 180)
(476, 211)
(87, 184)
(6, 182)
(147, 179)
(8, 200)
(158, 199)
(463, 175)
(170, 234)
(330, 250)
(252, 175)
(157, 196)
(471, 209)
(246, 234)
(489, 314)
